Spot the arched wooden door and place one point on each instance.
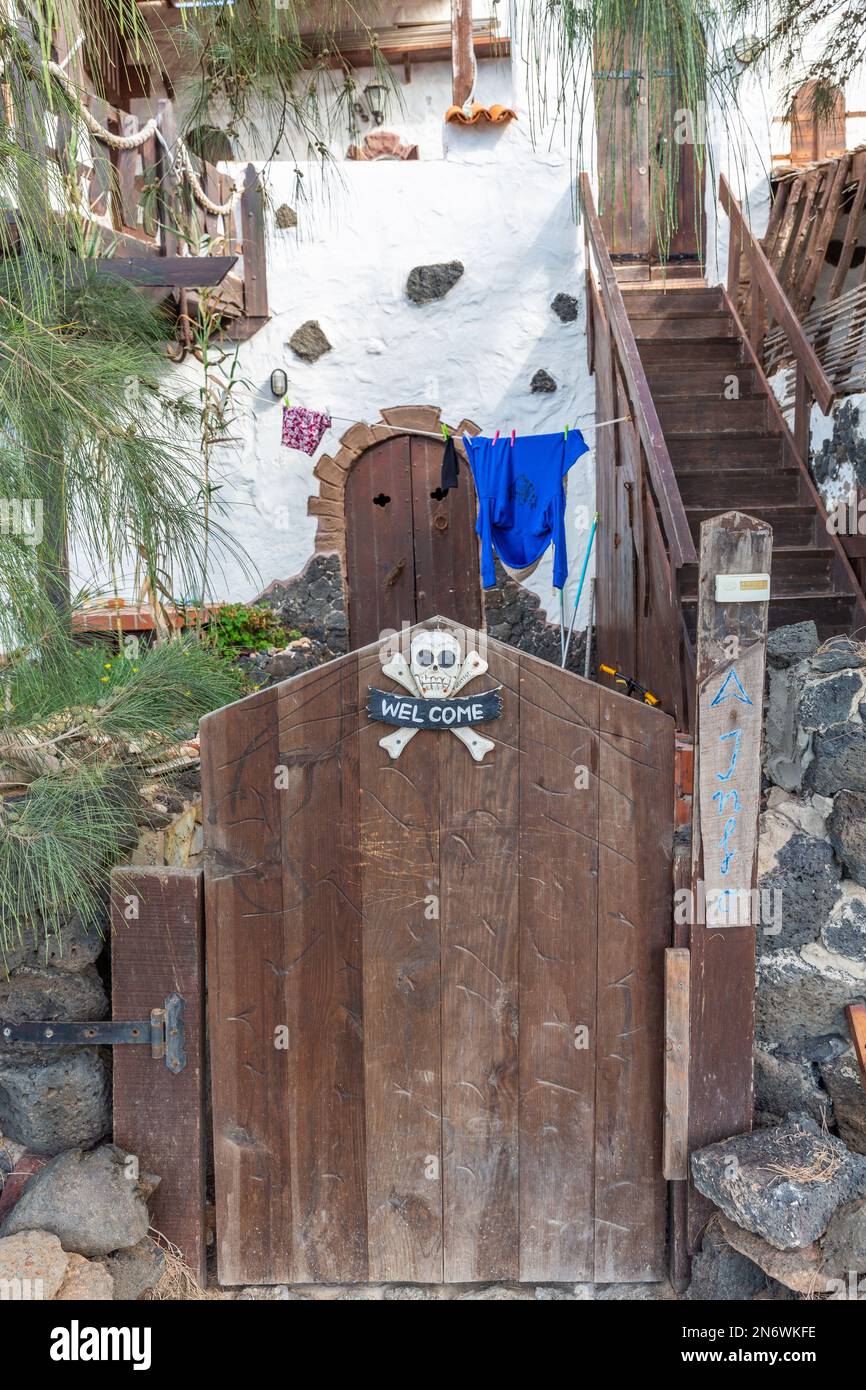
(411, 550)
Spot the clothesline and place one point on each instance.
(432, 434)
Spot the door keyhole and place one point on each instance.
(381, 501)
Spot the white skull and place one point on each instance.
(434, 660)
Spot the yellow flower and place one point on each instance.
(106, 665)
(104, 680)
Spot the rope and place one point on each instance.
(180, 158)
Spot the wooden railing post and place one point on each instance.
(802, 413)
(730, 660)
(255, 263)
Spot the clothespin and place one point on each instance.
(286, 401)
(513, 433)
(566, 432)
(496, 437)
(444, 429)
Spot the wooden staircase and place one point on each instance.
(730, 449)
(692, 429)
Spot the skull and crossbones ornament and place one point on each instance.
(434, 671)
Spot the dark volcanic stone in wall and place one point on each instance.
(807, 877)
(513, 615)
(846, 445)
(427, 283)
(847, 826)
(314, 604)
(542, 383)
(309, 342)
(565, 306)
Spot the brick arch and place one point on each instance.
(329, 506)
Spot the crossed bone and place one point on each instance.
(398, 669)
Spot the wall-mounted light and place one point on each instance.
(376, 96)
(279, 383)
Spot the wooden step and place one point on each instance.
(710, 453)
(692, 301)
(678, 353)
(792, 525)
(671, 383)
(749, 490)
(702, 414)
(793, 570)
(832, 614)
(647, 327)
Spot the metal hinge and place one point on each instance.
(163, 1031)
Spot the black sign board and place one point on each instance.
(409, 711)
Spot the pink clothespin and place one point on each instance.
(496, 437)
(513, 433)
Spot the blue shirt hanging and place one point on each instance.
(521, 498)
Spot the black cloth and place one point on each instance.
(450, 466)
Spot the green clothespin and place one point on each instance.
(566, 432)
(444, 429)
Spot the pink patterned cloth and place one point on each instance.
(303, 429)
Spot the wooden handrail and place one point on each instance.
(765, 277)
(681, 549)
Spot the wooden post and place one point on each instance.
(462, 55)
(802, 414)
(730, 658)
(255, 266)
(158, 1115)
(167, 182)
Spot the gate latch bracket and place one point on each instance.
(163, 1031)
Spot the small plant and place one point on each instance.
(237, 628)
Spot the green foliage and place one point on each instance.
(81, 727)
(237, 628)
(260, 59)
(681, 42)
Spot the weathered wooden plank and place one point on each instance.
(127, 168)
(157, 949)
(245, 952)
(255, 260)
(444, 541)
(635, 770)
(852, 232)
(320, 971)
(679, 1264)
(379, 541)
(856, 1015)
(723, 957)
(462, 59)
(559, 795)
(676, 1136)
(399, 848)
(478, 833)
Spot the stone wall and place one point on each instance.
(813, 850)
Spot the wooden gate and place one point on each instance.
(411, 549)
(436, 984)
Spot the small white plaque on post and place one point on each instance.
(742, 588)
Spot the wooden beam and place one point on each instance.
(676, 1136)
(730, 659)
(167, 272)
(157, 949)
(253, 232)
(462, 58)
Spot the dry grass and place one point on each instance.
(177, 1282)
(823, 1168)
